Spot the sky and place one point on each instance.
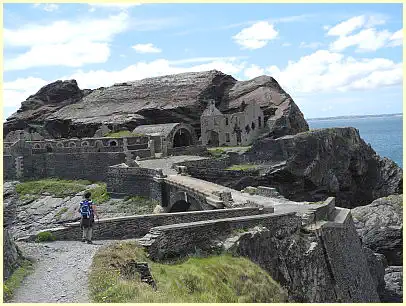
(333, 59)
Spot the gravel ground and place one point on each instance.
(61, 272)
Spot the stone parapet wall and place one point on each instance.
(9, 167)
(185, 238)
(190, 150)
(138, 226)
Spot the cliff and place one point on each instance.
(61, 109)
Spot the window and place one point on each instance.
(37, 146)
(72, 144)
(253, 125)
(226, 121)
(259, 122)
(113, 143)
(227, 137)
(247, 129)
(85, 144)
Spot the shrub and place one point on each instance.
(45, 236)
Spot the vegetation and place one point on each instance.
(220, 151)
(215, 279)
(61, 212)
(99, 193)
(242, 167)
(44, 236)
(53, 186)
(120, 134)
(136, 205)
(15, 279)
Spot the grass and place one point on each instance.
(215, 279)
(120, 134)
(44, 236)
(242, 167)
(136, 205)
(53, 186)
(220, 151)
(99, 193)
(15, 279)
(61, 212)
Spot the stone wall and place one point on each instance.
(90, 166)
(138, 226)
(190, 150)
(181, 239)
(346, 260)
(9, 169)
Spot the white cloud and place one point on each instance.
(256, 36)
(367, 39)
(20, 89)
(50, 7)
(347, 27)
(253, 71)
(64, 43)
(146, 48)
(312, 45)
(327, 71)
(396, 39)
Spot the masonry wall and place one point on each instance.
(90, 166)
(9, 169)
(138, 226)
(182, 239)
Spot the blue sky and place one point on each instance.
(333, 59)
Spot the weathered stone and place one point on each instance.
(380, 226)
(11, 254)
(66, 111)
(393, 285)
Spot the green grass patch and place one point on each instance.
(120, 134)
(53, 186)
(136, 205)
(15, 279)
(61, 212)
(215, 279)
(45, 236)
(242, 167)
(99, 193)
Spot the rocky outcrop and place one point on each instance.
(312, 166)
(393, 285)
(61, 109)
(34, 111)
(380, 226)
(11, 254)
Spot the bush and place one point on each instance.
(15, 279)
(45, 236)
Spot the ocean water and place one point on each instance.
(383, 133)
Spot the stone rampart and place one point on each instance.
(138, 226)
(181, 239)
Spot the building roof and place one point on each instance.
(156, 129)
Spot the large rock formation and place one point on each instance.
(66, 111)
(312, 166)
(380, 226)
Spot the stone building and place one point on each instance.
(236, 128)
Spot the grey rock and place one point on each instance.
(173, 98)
(376, 264)
(393, 285)
(11, 254)
(380, 226)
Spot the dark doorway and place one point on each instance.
(49, 149)
(213, 139)
(180, 206)
(182, 138)
(238, 131)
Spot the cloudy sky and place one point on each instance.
(333, 59)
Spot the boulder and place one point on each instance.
(66, 111)
(380, 226)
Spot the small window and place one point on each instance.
(37, 146)
(59, 145)
(113, 143)
(85, 144)
(49, 148)
(259, 122)
(226, 121)
(227, 137)
(247, 129)
(253, 126)
(72, 144)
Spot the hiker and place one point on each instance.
(87, 210)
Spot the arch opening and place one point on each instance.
(182, 138)
(180, 206)
(213, 139)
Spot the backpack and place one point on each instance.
(85, 209)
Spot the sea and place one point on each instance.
(383, 132)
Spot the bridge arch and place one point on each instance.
(183, 201)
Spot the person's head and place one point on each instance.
(88, 195)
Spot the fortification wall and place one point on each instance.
(190, 150)
(90, 166)
(138, 226)
(9, 169)
(181, 239)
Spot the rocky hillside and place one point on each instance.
(61, 109)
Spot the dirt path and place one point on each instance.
(61, 272)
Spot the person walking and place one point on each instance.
(87, 211)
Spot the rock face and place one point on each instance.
(11, 254)
(393, 285)
(61, 109)
(380, 226)
(312, 166)
(33, 112)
